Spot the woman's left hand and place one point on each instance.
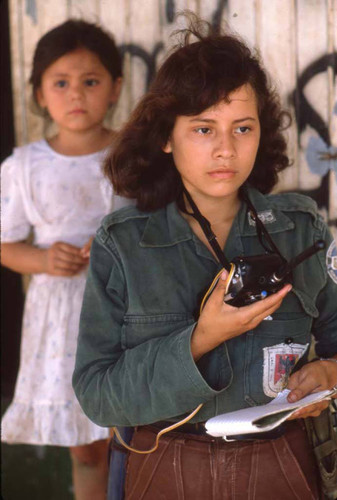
(313, 377)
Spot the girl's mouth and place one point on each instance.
(77, 112)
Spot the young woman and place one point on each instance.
(207, 133)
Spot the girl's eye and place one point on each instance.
(203, 130)
(91, 82)
(61, 84)
(243, 129)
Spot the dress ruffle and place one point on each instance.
(61, 424)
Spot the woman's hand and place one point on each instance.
(219, 321)
(63, 259)
(312, 377)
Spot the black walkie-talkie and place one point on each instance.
(254, 278)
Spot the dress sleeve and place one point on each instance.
(15, 225)
(325, 326)
(155, 380)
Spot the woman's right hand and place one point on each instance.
(63, 259)
(219, 321)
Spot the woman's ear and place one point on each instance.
(168, 147)
(116, 90)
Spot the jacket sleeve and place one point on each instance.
(325, 326)
(155, 380)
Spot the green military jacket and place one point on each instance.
(148, 273)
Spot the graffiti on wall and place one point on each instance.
(321, 154)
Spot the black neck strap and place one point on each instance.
(260, 227)
(211, 238)
(207, 230)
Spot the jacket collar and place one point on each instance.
(166, 227)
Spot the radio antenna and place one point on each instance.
(287, 268)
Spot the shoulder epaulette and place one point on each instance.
(293, 202)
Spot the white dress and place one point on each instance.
(59, 198)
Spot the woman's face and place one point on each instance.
(215, 151)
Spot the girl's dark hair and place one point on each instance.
(197, 75)
(69, 36)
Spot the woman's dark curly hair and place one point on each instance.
(196, 76)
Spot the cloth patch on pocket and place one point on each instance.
(278, 362)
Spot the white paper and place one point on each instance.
(248, 420)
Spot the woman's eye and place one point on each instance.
(203, 130)
(91, 82)
(242, 130)
(61, 84)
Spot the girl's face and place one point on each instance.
(77, 91)
(215, 151)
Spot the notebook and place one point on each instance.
(261, 418)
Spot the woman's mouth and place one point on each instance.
(222, 174)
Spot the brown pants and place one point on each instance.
(192, 467)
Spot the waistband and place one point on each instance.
(199, 429)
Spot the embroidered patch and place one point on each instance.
(331, 261)
(266, 217)
(278, 362)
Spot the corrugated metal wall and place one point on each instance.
(297, 40)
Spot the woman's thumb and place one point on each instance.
(222, 284)
(223, 279)
(217, 289)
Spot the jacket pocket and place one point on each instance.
(138, 328)
(271, 352)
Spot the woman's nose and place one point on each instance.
(225, 147)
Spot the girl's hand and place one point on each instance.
(85, 250)
(219, 321)
(312, 377)
(63, 259)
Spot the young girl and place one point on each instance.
(207, 137)
(56, 188)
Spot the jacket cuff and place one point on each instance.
(200, 385)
